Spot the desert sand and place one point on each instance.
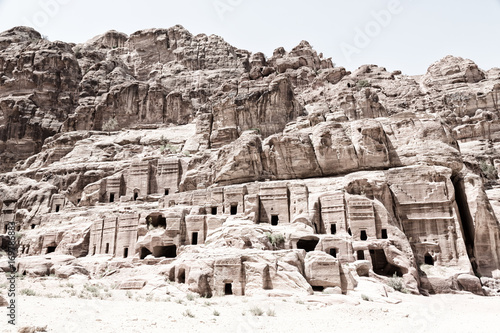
(81, 305)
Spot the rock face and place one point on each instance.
(246, 175)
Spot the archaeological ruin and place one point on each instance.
(241, 174)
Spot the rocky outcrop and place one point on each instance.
(233, 173)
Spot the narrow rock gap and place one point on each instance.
(466, 221)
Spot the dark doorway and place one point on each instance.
(125, 252)
(333, 252)
(93, 250)
(165, 251)
(144, 252)
(228, 289)
(349, 231)
(194, 238)
(381, 266)
(307, 244)
(234, 209)
(181, 277)
(318, 288)
(33, 226)
(58, 207)
(51, 249)
(107, 248)
(111, 197)
(428, 259)
(136, 195)
(167, 191)
(363, 235)
(361, 255)
(274, 219)
(214, 211)
(333, 229)
(384, 233)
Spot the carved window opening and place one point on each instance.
(384, 233)
(361, 255)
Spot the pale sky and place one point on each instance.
(396, 34)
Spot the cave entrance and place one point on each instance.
(307, 244)
(51, 249)
(144, 252)
(333, 252)
(155, 221)
(381, 266)
(428, 260)
(165, 251)
(228, 289)
(466, 221)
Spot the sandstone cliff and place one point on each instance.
(246, 174)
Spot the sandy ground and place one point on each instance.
(78, 305)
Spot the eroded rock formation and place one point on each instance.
(241, 174)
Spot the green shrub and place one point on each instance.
(216, 313)
(488, 170)
(110, 125)
(28, 292)
(256, 311)
(397, 283)
(363, 84)
(188, 313)
(366, 298)
(275, 239)
(271, 313)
